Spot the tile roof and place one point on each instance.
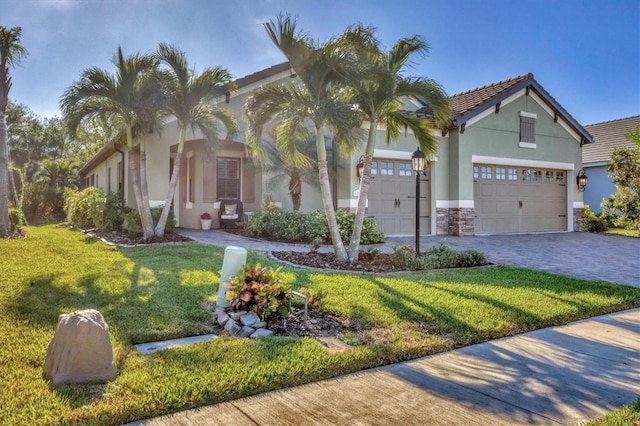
(608, 136)
(465, 102)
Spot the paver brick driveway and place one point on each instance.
(577, 254)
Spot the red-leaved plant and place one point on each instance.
(258, 289)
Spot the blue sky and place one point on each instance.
(586, 53)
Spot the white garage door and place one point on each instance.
(392, 202)
(517, 199)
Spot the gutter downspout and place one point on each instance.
(121, 170)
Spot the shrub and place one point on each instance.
(87, 208)
(295, 226)
(258, 289)
(593, 222)
(133, 224)
(114, 211)
(436, 257)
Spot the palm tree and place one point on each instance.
(379, 93)
(283, 169)
(190, 101)
(11, 52)
(320, 68)
(129, 100)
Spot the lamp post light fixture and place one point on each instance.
(417, 165)
(360, 168)
(581, 180)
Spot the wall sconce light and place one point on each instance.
(360, 167)
(581, 180)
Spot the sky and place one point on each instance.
(585, 53)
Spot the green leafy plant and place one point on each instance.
(16, 219)
(316, 297)
(258, 289)
(133, 225)
(436, 257)
(87, 208)
(593, 222)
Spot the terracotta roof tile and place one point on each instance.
(608, 136)
(464, 102)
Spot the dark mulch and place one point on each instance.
(126, 239)
(367, 262)
(318, 324)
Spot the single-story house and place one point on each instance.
(607, 137)
(508, 164)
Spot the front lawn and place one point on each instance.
(155, 293)
(624, 232)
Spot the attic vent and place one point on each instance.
(527, 127)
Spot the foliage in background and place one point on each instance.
(15, 218)
(436, 257)
(294, 226)
(593, 222)
(259, 289)
(624, 170)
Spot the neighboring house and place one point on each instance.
(508, 164)
(607, 137)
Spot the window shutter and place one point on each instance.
(527, 129)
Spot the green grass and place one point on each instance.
(624, 232)
(626, 416)
(154, 293)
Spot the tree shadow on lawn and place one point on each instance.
(131, 310)
(517, 318)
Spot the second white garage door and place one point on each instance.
(517, 199)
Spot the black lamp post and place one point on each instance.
(360, 167)
(581, 180)
(417, 164)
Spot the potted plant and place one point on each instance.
(205, 221)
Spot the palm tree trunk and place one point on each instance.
(172, 184)
(134, 174)
(145, 213)
(365, 180)
(327, 202)
(295, 191)
(5, 226)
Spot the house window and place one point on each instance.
(476, 172)
(190, 180)
(485, 172)
(374, 168)
(527, 129)
(526, 174)
(386, 168)
(228, 178)
(109, 180)
(501, 173)
(537, 175)
(560, 177)
(92, 181)
(513, 174)
(549, 176)
(404, 169)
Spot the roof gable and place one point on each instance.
(469, 104)
(608, 136)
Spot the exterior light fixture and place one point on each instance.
(417, 165)
(581, 180)
(360, 167)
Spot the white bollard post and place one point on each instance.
(234, 259)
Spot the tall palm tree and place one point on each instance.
(190, 101)
(379, 93)
(128, 99)
(320, 68)
(11, 53)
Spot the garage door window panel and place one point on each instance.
(386, 168)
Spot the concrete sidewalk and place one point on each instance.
(559, 375)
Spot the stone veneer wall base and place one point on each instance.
(461, 221)
(578, 219)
